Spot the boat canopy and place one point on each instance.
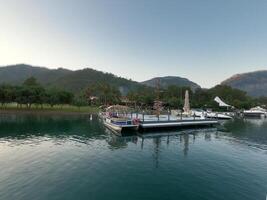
(221, 103)
(117, 108)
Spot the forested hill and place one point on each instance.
(85, 77)
(16, 74)
(254, 83)
(171, 80)
(73, 81)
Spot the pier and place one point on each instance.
(176, 123)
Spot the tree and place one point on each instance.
(105, 93)
(30, 82)
(65, 97)
(80, 100)
(7, 94)
(51, 97)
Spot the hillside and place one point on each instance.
(171, 80)
(254, 83)
(16, 74)
(81, 78)
(73, 81)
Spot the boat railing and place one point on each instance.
(147, 115)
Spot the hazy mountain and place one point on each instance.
(73, 81)
(77, 80)
(171, 80)
(16, 74)
(82, 78)
(254, 83)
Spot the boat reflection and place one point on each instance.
(248, 130)
(182, 138)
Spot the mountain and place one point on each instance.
(16, 74)
(254, 83)
(171, 80)
(83, 78)
(73, 81)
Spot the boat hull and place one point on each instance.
(120, 128)
(254, 114)
(176, 124)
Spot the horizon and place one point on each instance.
(139, 40)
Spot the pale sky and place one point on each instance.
(205, 41)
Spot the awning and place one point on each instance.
(221, 103)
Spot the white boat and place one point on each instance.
(120, 125)
(255, 112)
(216, 115)
(198, 113)
(115, 118)
(209, 114)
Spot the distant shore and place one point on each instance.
(47, 110)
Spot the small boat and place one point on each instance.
(255, 112)
(115, 118)
(120, 125)
(215, 115)
(209, 114)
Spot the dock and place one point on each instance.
(176, 123)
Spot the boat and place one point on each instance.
(212, 115)
(115, 118)
(177, 123)
(218, 115)
(198, 113)
(255, 112)
(120, 125)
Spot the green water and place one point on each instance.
(71, 157)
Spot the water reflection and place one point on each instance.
(27, 126)
(161, 140)
(84, 129)
(116, 142)
(248, 130)
(75, 157)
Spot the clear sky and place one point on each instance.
(203, 40)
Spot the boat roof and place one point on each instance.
(117, 108)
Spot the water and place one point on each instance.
(73, 157)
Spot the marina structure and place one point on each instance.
(118, 120)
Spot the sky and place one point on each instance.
(205, 41)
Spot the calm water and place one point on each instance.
(44, 157)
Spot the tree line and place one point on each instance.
(173, 97)
(31, 92)
(103, 93)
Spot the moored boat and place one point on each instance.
(215, 115)
(255, 112)
(211, 115)
(115, 118)
(120, 125)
